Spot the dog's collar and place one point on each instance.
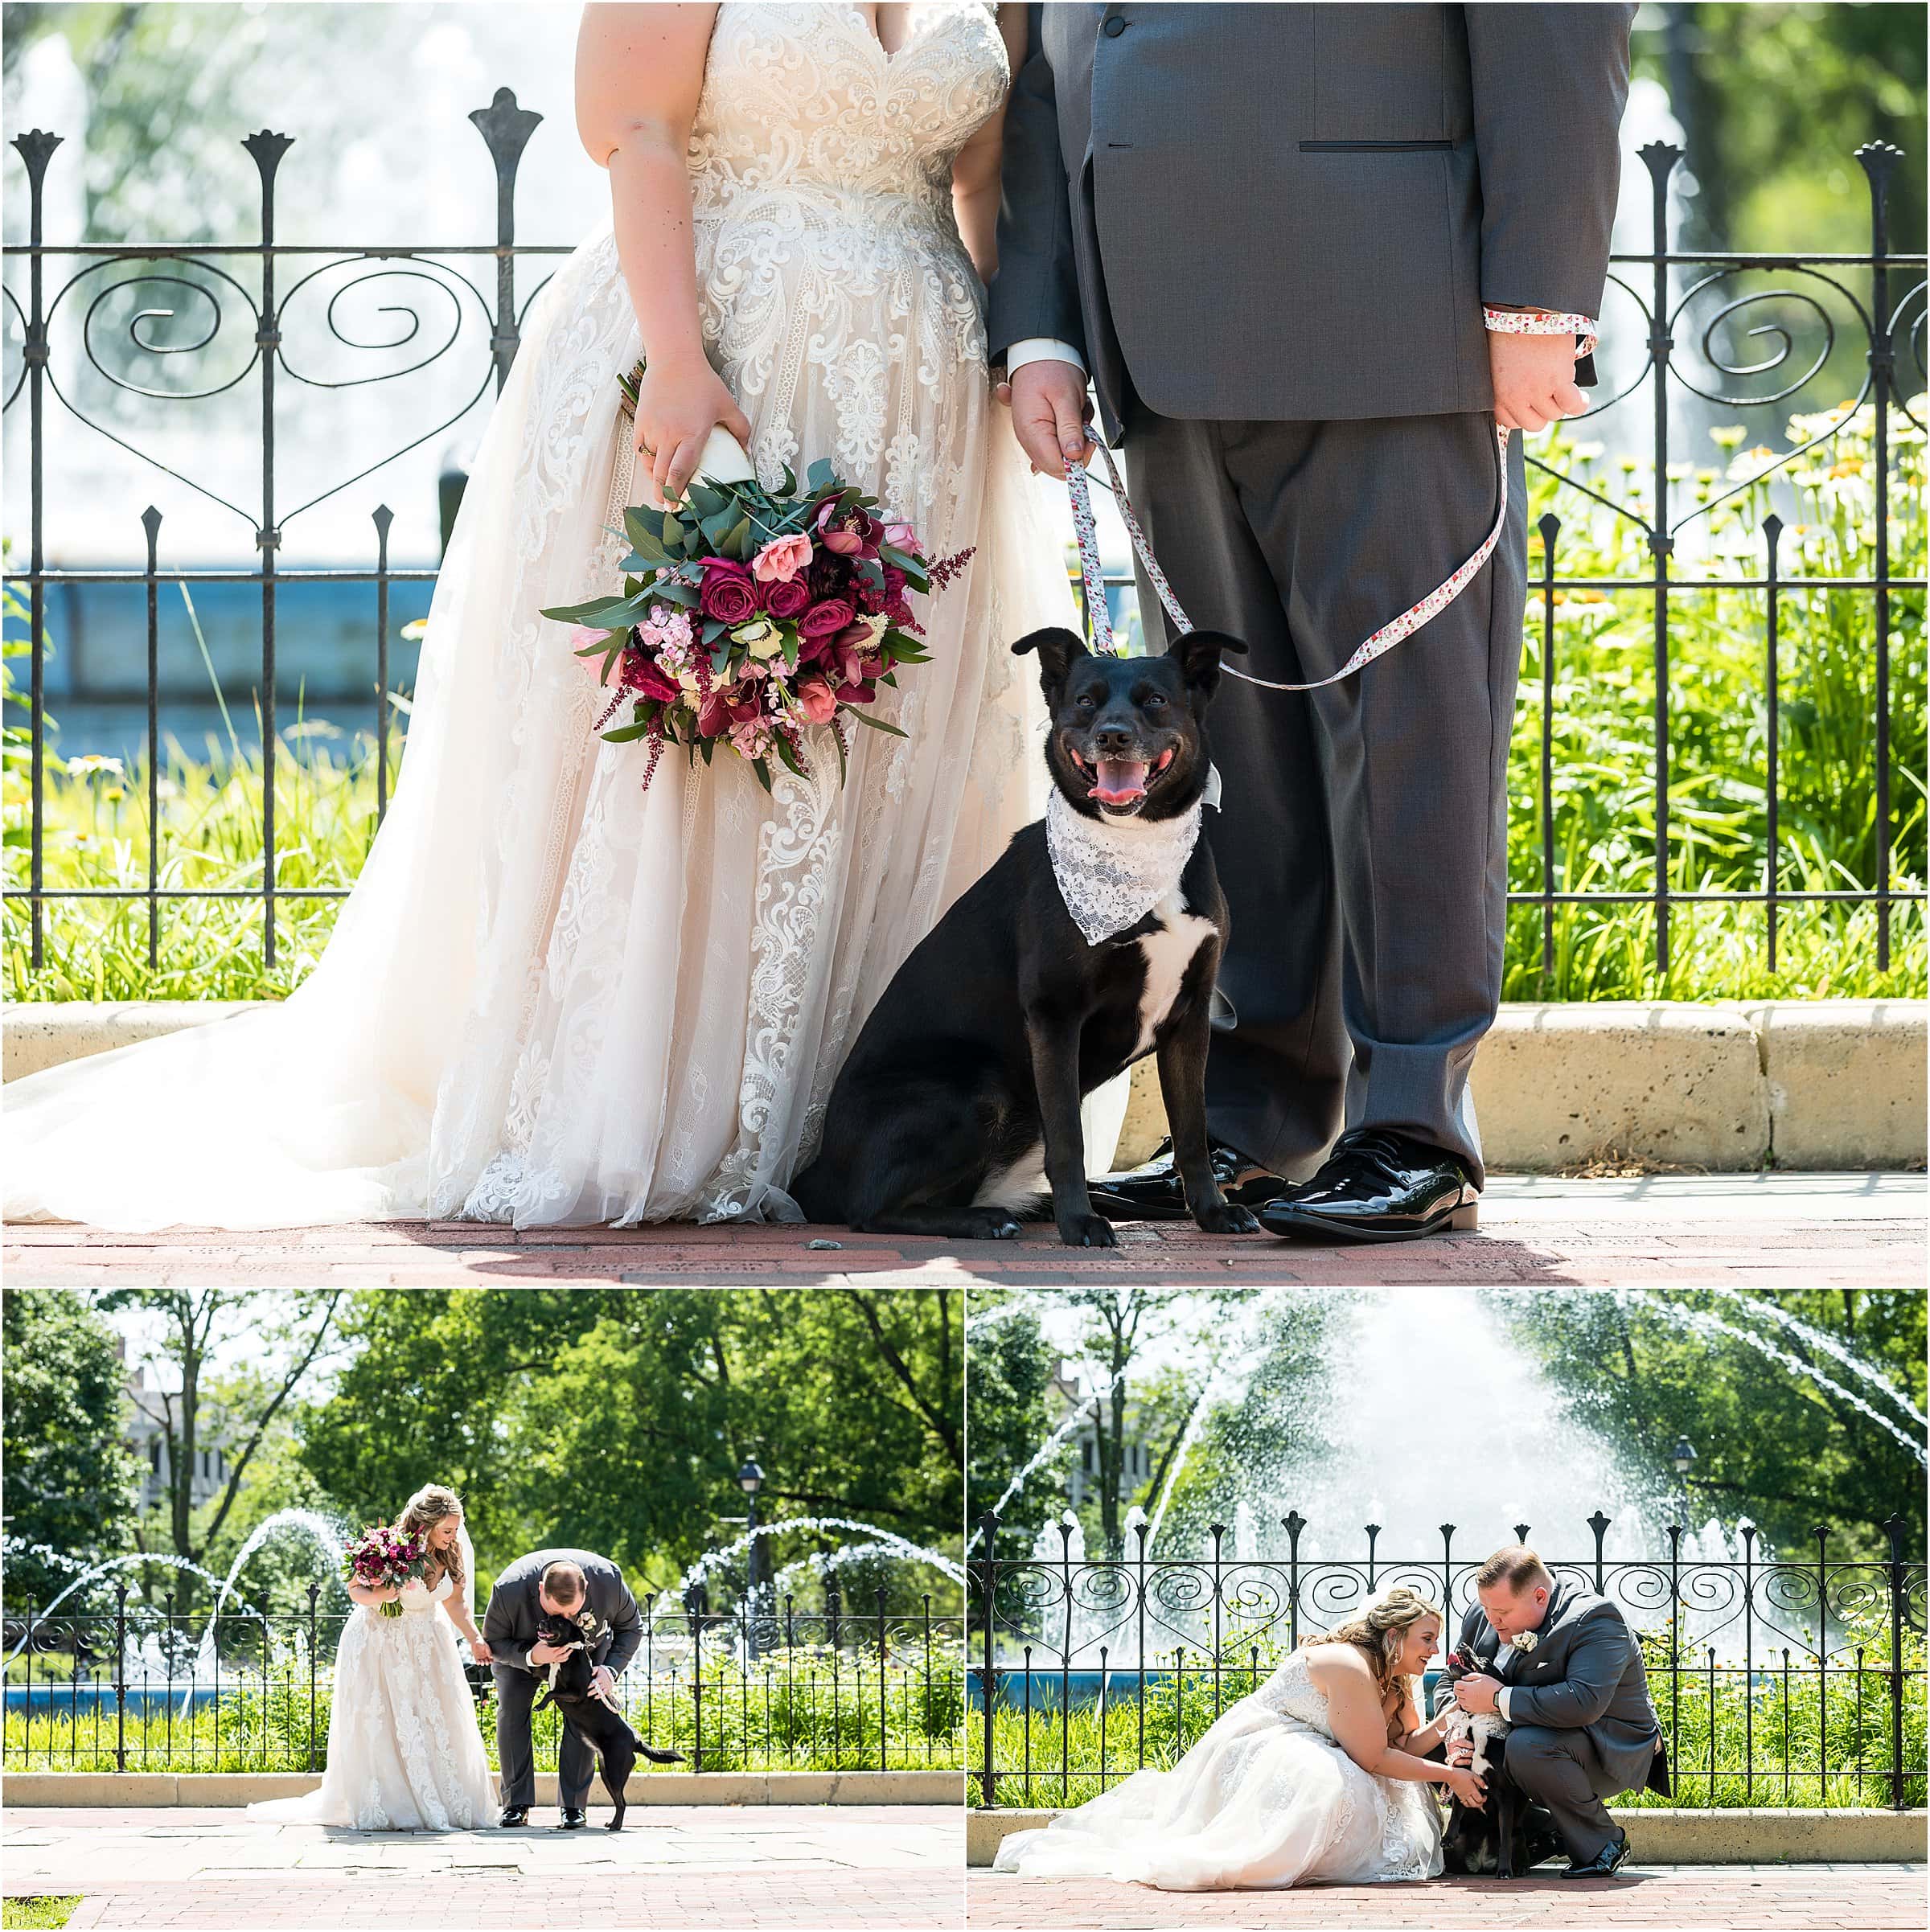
(1112, 873)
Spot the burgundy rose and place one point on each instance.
(789, 598)
(642, 676)
(729, 593)
(825, 620)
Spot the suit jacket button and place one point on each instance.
(1115, 27)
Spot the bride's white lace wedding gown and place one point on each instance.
(1267, 1798)
(551, 998)
(404, 1752)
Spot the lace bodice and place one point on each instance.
(419, 1600)
(804, 102)
(1291, 1693)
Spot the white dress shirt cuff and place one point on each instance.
(1501, 1702)
(1040, 349)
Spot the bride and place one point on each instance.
(554, 998)
(1317, 1779)
(405, 1752)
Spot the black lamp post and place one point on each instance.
(750, 1480)
(1683, 1456)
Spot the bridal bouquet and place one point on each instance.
(748, 615)
(378, 1559)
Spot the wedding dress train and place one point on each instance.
(1267, 1798)
(405, 1750)
(552, 998)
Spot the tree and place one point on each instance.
(1775, 100)
(1772, 1443)
(70, 1477)
(619, 1420)
(288, 1332)
(1008, 1416)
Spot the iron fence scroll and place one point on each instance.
(1753, 1662)
(1657, 299)
(859, 1684)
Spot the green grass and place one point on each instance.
(1603, 824)
(806, 1718)
(38, 1913)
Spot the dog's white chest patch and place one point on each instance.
(1168, 951)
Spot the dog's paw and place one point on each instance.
(1087, 1231)
(1227, 1219)
(992, 1225)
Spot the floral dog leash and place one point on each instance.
(1503, 322)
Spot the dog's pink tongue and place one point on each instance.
(1120, 781)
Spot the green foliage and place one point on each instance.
(618, 1422)
(807, 1708)
(37, 1913)
(70, 1477)
(1772, 1444)
(1776, 99)
(1009, 1415)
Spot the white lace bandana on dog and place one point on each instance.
(1112, 874)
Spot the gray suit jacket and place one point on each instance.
(509, 1625)
(1294, 212)
(1585, 1672)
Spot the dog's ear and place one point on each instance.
(1058, 648)
(1198, 654)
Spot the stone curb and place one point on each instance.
(1754, 1837)
(1829, 1086)
(141, 1790)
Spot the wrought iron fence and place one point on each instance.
(1668, 292)
(1776, 1680)
(854, 1686)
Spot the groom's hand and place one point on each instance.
(1478, 1693)
(603, 1681)
(1533, 378)
(544, 1655)
(1050, 410)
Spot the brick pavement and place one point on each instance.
(693, 1866)
(1766, 1230)
(1868, 1898)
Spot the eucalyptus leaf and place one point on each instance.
(863, 715)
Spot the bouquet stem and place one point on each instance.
(393, 1608)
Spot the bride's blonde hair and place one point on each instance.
(1378, 1633)
(431, 1504)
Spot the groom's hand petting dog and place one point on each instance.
(957, 1113)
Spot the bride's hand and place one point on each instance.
(480, 1650)
(1466, 1787)
(678, 403)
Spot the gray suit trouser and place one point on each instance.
(1362, 836)
(575, 1762)
(1561, 1770)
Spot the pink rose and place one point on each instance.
(782, 559)
(727, 592)
(901, 537)
(582, 637)
(787, 597)
(816, 699)
(826, 620)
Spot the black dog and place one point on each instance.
(959, 1107)
(599, 1725)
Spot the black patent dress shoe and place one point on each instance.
(1605, 1864)
(514, 1814)
(1154, 1192)
(573, 1820)
(1377, 1186)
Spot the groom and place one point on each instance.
(1567, 1679)
(588, 1591)
(1269, 233)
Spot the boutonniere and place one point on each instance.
(587, 1623)
(1524, 1641)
